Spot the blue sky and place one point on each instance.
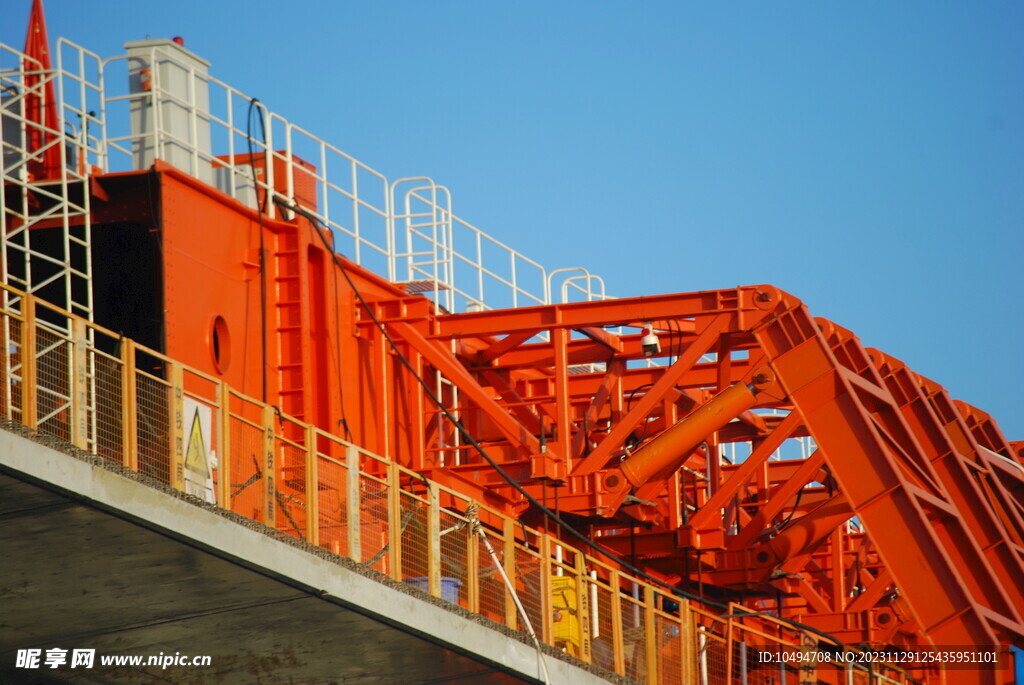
(867, 157)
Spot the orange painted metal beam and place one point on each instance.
(443, 361)
(604, 313)
(871, 477)
(506, 344)
(610, 383)
(710, 512)
(972, 506)
(617, 436)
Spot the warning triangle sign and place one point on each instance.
(195, 457)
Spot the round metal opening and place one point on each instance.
(220, 345)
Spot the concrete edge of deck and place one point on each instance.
(251, 547)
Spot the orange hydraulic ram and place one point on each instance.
(671, 448)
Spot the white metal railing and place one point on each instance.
(479, 271)
(159, 102)
(62, 267)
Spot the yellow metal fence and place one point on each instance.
(67, 378)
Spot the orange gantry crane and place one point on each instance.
(725, 443)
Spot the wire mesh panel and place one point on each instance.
(602, 642)
(53, 383)
(492, 586)
(634, 638)
(154, 426)
(11, 401)
(373, 522)
(527, 582)
(246, 487)
(332, 505)
(105, 405)
(749, 668)
(668, 633)
(414, 539)
(290, 509)
(455, 542)
(712, 658)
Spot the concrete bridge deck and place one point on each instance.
(90, 559)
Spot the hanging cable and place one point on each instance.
(796, 506)
(261, 208)
(320, 226)
(337, 360)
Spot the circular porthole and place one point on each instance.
(220, 345)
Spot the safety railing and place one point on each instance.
(463, 268)
(70, 379)
(159, 102)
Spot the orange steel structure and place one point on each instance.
(903, 524)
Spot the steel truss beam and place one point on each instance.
(934, 488)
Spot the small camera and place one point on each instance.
(649, 342)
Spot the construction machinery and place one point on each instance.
(748, 460)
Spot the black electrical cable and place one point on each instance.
(629, 403)
(318, 225)
(261, 208)
(671, 339)
(678, 339)
(337, 358)
(796, 505)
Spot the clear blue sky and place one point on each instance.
(867, 157)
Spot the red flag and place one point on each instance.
(40, 100)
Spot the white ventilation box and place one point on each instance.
(179, 131)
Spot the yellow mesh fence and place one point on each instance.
(332, 505)
(603, 642)
(245, 470)
(11, 396)
(529, 586)
(373, 522)
(454, 548)
(488, 578)
(106, 411)
(634, 638)
(53, 378)
(670, 649)
(414, 539)
(154, 426)
(79, 383)
(290, 494)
